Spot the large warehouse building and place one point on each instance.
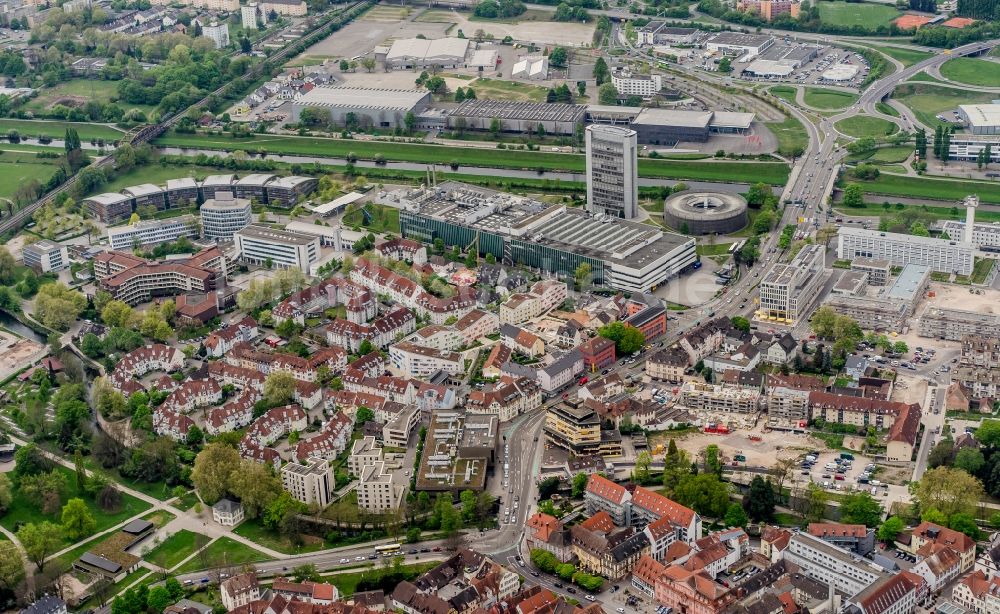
(668, 126)
(555, 118)
(624, 255)
(425, 53)
(379, 108)
(981, 118)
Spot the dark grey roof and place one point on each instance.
(48, 604)
(227, 506)
(93, 560)
(137, 526)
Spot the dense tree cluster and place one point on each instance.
(499, 9)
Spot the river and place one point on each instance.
(12, 324)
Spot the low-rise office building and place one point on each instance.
(261, 245)
(787, 291)
(826, 563)
(45, 256)
(941, 255)
(152, 232)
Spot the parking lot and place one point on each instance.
(805, 65)
(832, 471)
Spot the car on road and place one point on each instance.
(535, 574)
(590, 598)
(359, 558)
(557, 584)
(571, 590)
(620, 610)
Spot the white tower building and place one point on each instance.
(612, 171)
(971, 202)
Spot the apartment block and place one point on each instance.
(379, 489)
(719, 398)
(941, 255)
(952, 324)
(311, 483)
(412, 360)
(787, 291)
(856, 538)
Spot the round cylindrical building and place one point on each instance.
(700, 213)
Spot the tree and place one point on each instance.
(29, 460)
(740, 323)
(823, 321)
(640, 474)
(601, 72)
(964, 523)
(889, 529)
(942, 453)
(579, 484)
(368, 63)
(948, 490)
(8, 267)
(676, 465)
(970, 460)
(544, 560)
(77, 521)
(364, 415)
(279, 387)
(11, 566)
(81, 472)
(56, 306)
(159, 597)
(628, 339)
(735, 516)
(607, 94)
(704, 493)
(861, 508)
(988, 433)
(759, 501)
(213, 469)
(547, 487)
(6, 493)
(815, 502)
(39, 541)
(581, 276)
(365, 348)
(854, 196)
(255, 485)
(558, 57)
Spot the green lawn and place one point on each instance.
(785, 519)
(785, 92)
(884, 155)
(18, 169)
(887, 186)
(907, 57)
(923, 76)
(717, 249)
(74, 92)
(158, 174)
(347, 583)
(176, 548)
(21, 511)
(383, 218)
(972, 71)
(981, 268)
(846, 14)
(223, 552)
(832, 100)
(255, 531)
(887, 109)
(57, 129)
(866, 125)
(495, 89)
(187, 501)
(927, 100)
(791, 135)
(769, 172)
(160, 518)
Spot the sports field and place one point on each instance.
(927, 100)
(847, 14)
(828, 100)
(769, 172)
(971, 71)
(866, 125)
(907, 57)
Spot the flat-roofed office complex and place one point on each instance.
(224, 216)
(847, 573)
(551, 237)
(44, 256)
(555, 118)
(981, 118)
(262, 245)
(152, 232)
(612, 171)
(941, 255)
(788, 289)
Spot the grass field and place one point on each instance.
(256, 532)
(435, 16)
(157, 175)
(385, 13)
(785, 92)
(160, 518)
(884, 155)
(383, 218)
(769, 172)
(223, 552)
(528, 15)
(791, 135)
(888, 109)
(715, 249)
(22, 511)
(495, 89)
(75, 92)
(907, 57)
(927, 100)
(176, 548)
(16, 169)
(846, 14)
(347, 583)
(971, 71)
(57, 130)
(923, 76)
(936, 189)
(866, 125)
(828, 100)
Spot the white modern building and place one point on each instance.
(310, 483)
(941, 255)
(379, 108)
(249, 14)
(830, 565)
(379, 489)
(631, 84)
(981, 118)
(152, 232)
(531, 67)
(448, 52)
(218, 32)
(45, 256)
(612, 171)
(739, 44)
(788, 289)
(223, 216)
(412, 360)
(265, 246)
